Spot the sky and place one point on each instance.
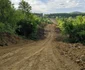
(54, 6)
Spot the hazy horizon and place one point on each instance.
(54, 6)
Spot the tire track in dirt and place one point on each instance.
(26, 58)
(42, 55)
(12, 54)
(47, 60)
(15, 55)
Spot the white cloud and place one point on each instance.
(15, 2)
(50, 5)
(37, 5)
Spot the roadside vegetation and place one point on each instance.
(73, 28)
(20, 22)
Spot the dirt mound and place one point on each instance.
(7, 39)
(73, 51)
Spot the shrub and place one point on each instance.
(25, 28)
(73, 27)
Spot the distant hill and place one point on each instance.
(76, 12)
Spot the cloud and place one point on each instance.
(15, 2)
(48, 6)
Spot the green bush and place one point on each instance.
(2, 27)
(73, 27)
(25, 28)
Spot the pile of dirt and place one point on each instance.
(75, 52)
(8, 39)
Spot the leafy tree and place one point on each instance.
(24, 7)
(5, 10)
(7, 16)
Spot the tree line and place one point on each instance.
(64, 15)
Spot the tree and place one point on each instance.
(24, 6)
(7, 15)
(5, 10)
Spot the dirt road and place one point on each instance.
(40, 55)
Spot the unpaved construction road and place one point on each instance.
(40, 55)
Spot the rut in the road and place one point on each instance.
(41, 55)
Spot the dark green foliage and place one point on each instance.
(25, 28)
(5, 9)
(2, 27)
(38, 34)
(7, 16)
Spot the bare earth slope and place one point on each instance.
(40, 55)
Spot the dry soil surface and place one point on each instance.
(41, 55)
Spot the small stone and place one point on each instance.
(79, 47)
(75, 45)
(62, 53)
(83, 58)
(78, 61)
